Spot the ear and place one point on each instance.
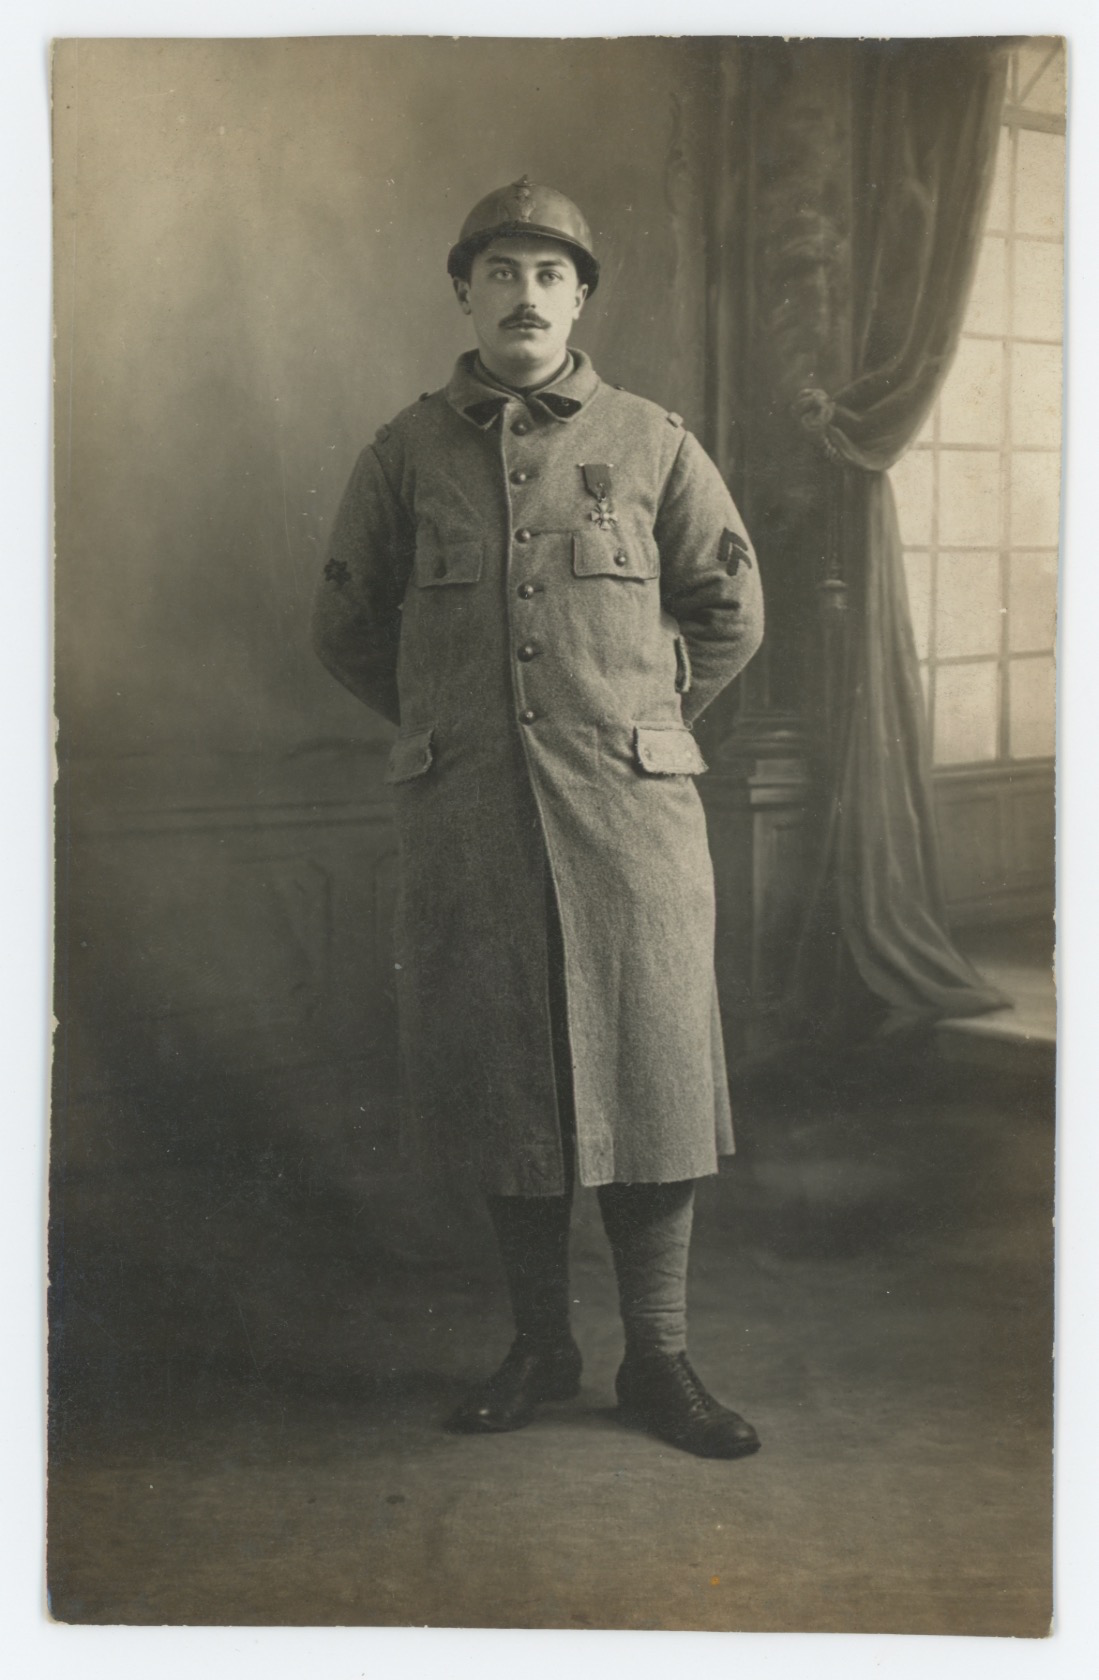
(461, 292)
(581, 299)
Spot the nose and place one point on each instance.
(528, 292)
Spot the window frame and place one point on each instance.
(1017, 117)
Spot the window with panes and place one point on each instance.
(978, 493)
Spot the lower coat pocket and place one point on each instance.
(411, 755)
(667, 750)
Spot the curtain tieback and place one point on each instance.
(815, 411)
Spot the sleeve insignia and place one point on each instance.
(732, 549)
(338, 572)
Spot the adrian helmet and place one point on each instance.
(524, 207)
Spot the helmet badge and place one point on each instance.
(524, 199)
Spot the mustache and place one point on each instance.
(523, 318)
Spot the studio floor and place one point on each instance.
(871, 1286)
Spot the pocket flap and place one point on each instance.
(682, 666)
(410, 755)
(669, 750)
(441, 560)
(606, 554)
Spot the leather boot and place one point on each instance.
(531, 1373)
(663, 1392)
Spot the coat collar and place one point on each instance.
(481, 402)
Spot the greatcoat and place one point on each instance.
(543, 593)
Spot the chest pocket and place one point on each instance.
(442, 560)
(608, 554)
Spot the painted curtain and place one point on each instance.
(922, 137)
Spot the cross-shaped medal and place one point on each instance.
(598, 481)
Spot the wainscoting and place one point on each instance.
(224, 944)
(227, 919)
(997, 827)
(225, 967)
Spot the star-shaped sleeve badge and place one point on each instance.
(338, 572)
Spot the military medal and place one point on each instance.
(597, 478)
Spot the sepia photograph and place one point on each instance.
(556, 558)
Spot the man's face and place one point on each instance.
(523, 295)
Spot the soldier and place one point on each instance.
(543, 581)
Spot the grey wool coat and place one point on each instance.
(543, 593)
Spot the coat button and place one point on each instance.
(528, 716)
(520, 427)
(529, 651)
(522, 536)
(620, 558)
(520, 477)
(526, 590)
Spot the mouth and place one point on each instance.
(529, 323)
